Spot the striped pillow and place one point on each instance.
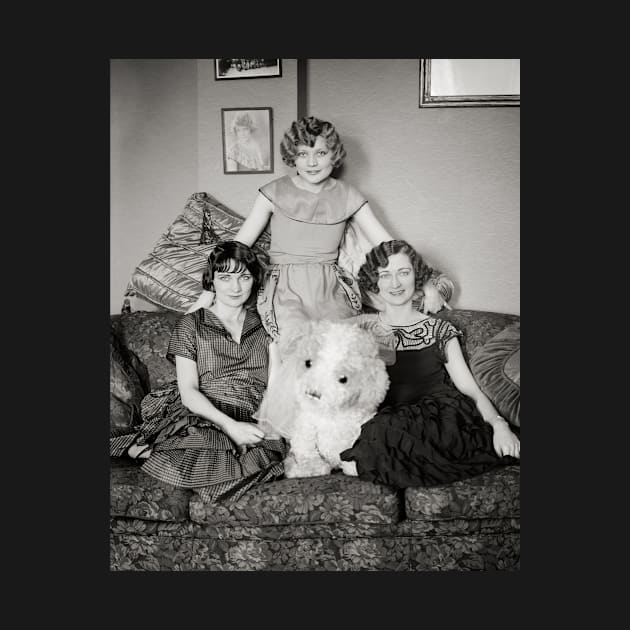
(170, 275)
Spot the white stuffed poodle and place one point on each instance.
(332, 382)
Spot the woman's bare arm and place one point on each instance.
(256, 221)
(505, 442)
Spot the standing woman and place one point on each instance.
(308, 213)
(199, 432)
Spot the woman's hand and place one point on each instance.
(374, 300)
(244, 433)
(205, 300)
(433, 301)
(504, 441)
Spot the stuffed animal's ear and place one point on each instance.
(205, 300)
(292, 337)
(445, 286)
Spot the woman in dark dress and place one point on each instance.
(435, 425)
(199, 432)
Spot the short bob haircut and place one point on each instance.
(242, 120)
(378, 258)
(305, 131)
(233, 257)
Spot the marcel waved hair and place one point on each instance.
(378, 258)
(233, 257)
(305, 131)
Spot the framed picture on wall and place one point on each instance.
(247, 140)
(247, 68)
(470, 82)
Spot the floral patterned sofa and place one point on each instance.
(333, 522)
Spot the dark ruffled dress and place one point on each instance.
(190, 452)
(426, 432)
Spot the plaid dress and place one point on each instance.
(190, 452)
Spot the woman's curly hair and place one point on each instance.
(233, 257)
(305, 131)
(378, 258)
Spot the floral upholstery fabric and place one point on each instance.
(147, 334)
(477, 326)
(493, 494)
(128, 383)
(145, 546)
(328, 499)
(329, 523)
(490, 552)
(135, 494)
(140, 545)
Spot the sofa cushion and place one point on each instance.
(477, 326)
(497, 368)
(326, 499)
(170, 275)
(147, 334)
(494, 494)
(134, 494)
(128, 384)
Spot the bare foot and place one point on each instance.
(139, 451)
(349, 468)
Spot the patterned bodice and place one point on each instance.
(420, 357)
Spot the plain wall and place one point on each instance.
(445, 179)
(153, 135)
(166, 144)
(238, 191)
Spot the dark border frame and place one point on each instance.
(426, 100)
(224, 139)
(274, 72)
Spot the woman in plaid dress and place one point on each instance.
(199, 432)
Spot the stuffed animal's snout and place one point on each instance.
(313, 394)
(320, 388)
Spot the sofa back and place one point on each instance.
(147, 334)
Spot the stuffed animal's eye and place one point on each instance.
(343, 379)
(307, 363)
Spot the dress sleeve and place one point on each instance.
(354, 201)
(444, 332)
(270, 191)
(183, 341)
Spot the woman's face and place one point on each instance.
(397, 282)
(233, 288)
(242, 133)
(314, 164)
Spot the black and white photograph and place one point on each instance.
(247, 140)
(247, 68)
(315, 368)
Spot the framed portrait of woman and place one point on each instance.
(247, 140)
